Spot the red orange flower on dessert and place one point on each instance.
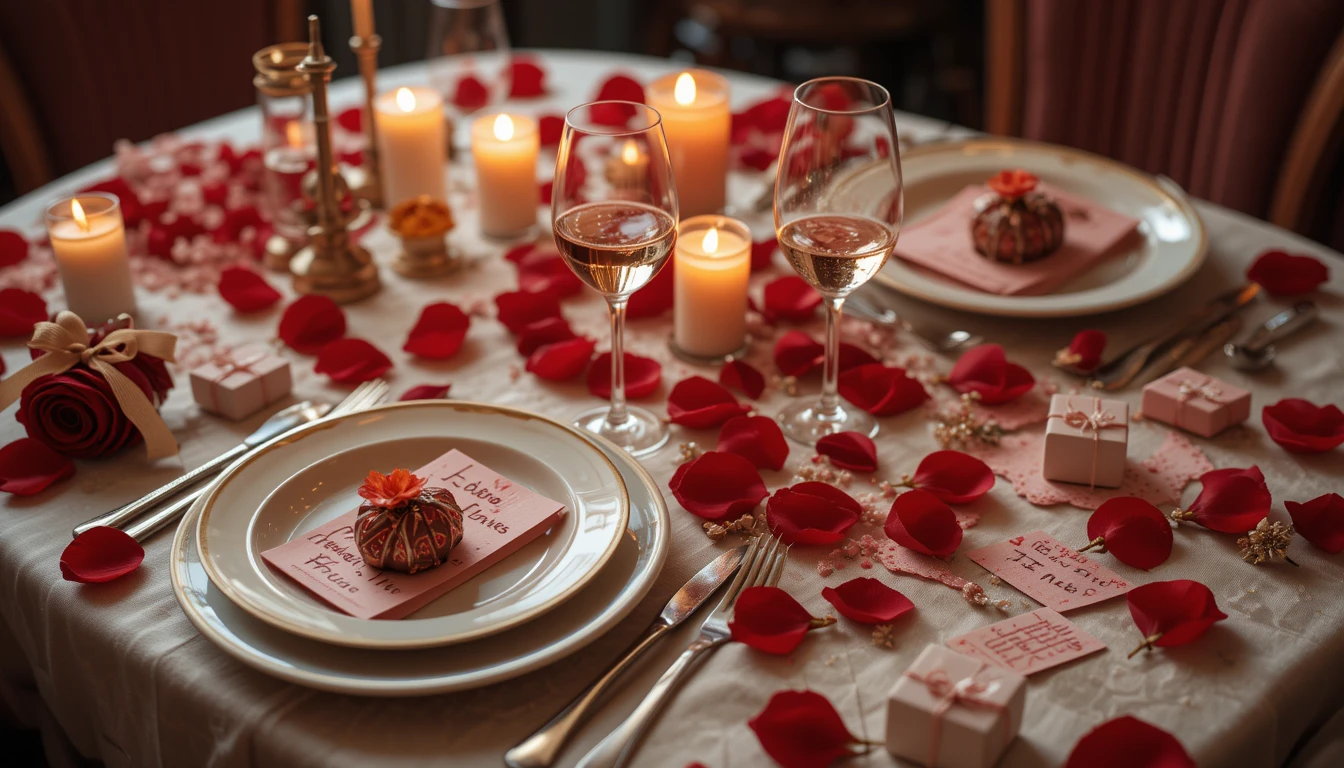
(391, 490)
(1012, 184)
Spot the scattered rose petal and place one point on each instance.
(351, 361)
(716, 486)
(616, 88)
(551, 128)
(1231, 501)
(756, 438)
(656, 297)
(311, 322)
(811, 513)
(867, 601)
(518, 309)
(29, 466)
(954, 477)
(881, 390)
(1127, 742)
(796, 354)
(537, 335)
(763, 253)
(922, 522)
(1320, 521)
(849, 450)
(245, 290)
(545, 270)
(1133, 530)
(1287, 274)
(439, 332)
(1084, 352)
(351, 119)
(1170, 613)
(699, 403)
(132, 212)
(770, 620)
(100, 554)
(561, 360)
(642, 376)
(426, 392)
(1301, 426)
(470, 94)
(742, 376)
(985, 370)
(13, 248)
(789, 298)
(20, 310)
(527, 78)
(800, 729)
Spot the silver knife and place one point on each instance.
(1189, 351)
(540, 749)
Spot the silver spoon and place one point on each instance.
(941, 342)
(1257, 353)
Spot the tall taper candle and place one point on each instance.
(362, 11)
(412, 144)
(88, 239)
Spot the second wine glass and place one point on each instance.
(616, 230)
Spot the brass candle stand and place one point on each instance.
(330, 265)
(370, 187)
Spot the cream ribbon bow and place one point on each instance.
(968, 691)
(1094, 423)
(66, 343)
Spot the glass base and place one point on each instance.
(641, 434)
(804, 422)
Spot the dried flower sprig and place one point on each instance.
(1266, 542)
(960, 426)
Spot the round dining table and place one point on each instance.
(115, 672)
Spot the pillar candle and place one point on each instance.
(698, 123)
(504, 149)
(627, 171)
(712, 263)
(412, 144)
(88, 239)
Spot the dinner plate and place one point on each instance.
(311, 477)
(624, 581)
(1171, 248)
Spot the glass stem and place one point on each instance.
(618, 415)
(829, 409)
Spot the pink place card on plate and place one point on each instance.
(1028, 643)
(942, 243)
(499, 516)
(1049, 572)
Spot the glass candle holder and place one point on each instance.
(88, 239)
(287, 146)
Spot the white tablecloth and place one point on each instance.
(120, 670)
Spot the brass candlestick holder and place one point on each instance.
(369, 188)
(330, 265)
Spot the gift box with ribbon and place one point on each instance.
(1086, 439)
(952, 711)
(1198, 403)
(239, 383)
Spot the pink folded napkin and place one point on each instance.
(942, 244)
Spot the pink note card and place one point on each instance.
(1049, 572)
(499, 516)
(1028, 643)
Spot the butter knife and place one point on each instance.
(1190, 351)
(540, 749)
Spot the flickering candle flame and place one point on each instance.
(711, 242)
(78, 211)
(630, 152)
(503, 128)
(405, 100)
(684, 90)
(294, 134)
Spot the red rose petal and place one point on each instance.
(800, 729)
(1173, 612)
(426, 392)
(656, 297)
(758, 158)
(311, 322)
(770, 620)
(1286, 274)
(245, 290)
(921, 521)
(768, 116)
(954, 477)
(881, 390)
(756, 438)
(100, 554)
(849, 450)
(439, 332)
(1231, 501)
(1086, 349)
(986, 370)
(716, 486)
(616, 88)
(1301, 426)
(470, 94)
(1133, 530)
(699, 403)
(550, 128)
(527, 78)
(642, 376)
(763, 253)
(351, 119)
(29, 466)
(351, 361)
(13, 248)
(561, 360)
(545, 270)
(1127, 742)
(20, 310)
(867, 601)
(811, 513)
(517, 253)
(1320, 521)
(790, 298)
(742, 376)
(796, 354)
(518, 309)
(537, 335)
(132, 213)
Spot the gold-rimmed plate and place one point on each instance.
(309, 478)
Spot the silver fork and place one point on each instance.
(364, 396)
(762, 565)
(941, 343)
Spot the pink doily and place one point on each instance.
(898, 559)
(1159, 479)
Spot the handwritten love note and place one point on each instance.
(1028, 643)
(1049, 572)
(498, 517)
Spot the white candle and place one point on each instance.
(412, 144)
(712, 263)
(362, 11)
(504, 148)
(698, 124)
(88, 239)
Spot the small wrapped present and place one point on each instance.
(1086, 439)
(1190, 400)
(952, 711)
(237, 384)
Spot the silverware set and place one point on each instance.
(868, 306)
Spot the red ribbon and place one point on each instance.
(969, 691)
(1094, 423)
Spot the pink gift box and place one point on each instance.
(953, 711)
(241, 384)
(1086, 439)
(1195, 402)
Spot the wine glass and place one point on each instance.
(838, 209)
(468, 55)
(615, 231)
